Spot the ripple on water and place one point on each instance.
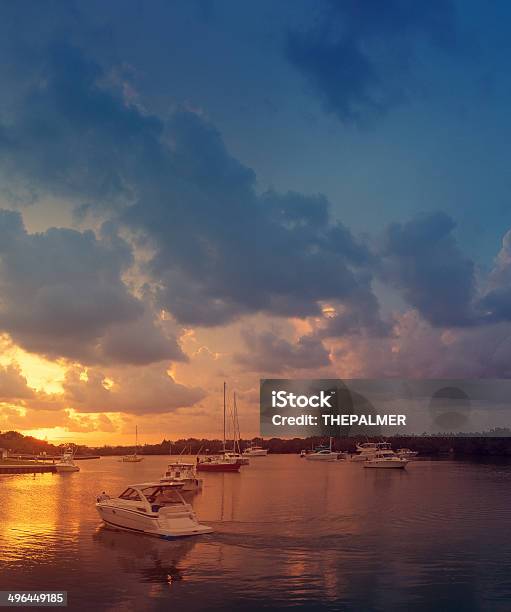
(329, 535)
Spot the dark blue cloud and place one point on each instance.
(221, 249)
(423, 260)
(357, 56)
(63, 296)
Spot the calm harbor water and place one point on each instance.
(288, 532)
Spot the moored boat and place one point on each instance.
(367, 450)
(323, 453)
(66, 463)
(235, 454)
(153, 508)
(255, 451)
(181, 472)
(386, 459)
(217, 464)
(134, 458)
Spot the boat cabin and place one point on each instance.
(179, 471)
(152, 497)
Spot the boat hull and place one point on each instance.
(153, 525)
(67, 468)
(218, 467)
(313, 457)
(256, 453)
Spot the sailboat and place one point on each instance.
(134, 458)
(235, 453)
(220, 463)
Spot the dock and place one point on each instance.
(27, 468)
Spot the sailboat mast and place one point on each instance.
(236, 427)
(224, 419)
(136, 439)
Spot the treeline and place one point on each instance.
(482, 445)
(15, 442)
(496, 443)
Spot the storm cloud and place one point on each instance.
(221, 250)
(63, 296)
(358, 56)
(423, 260)
(268, 352)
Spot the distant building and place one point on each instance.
(3, 453)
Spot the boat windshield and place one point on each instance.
(163, 495)
(130, 494)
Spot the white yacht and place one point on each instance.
(367, 450)
(322, 453)
(255, 451)
(66, 463)
(185, 473)
(386, 458)
(153, 508)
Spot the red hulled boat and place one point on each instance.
(221, 463)
(217, 464)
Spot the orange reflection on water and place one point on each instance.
(35, 512)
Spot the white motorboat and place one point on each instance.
(406, 453)
(66, 463)
(367, 450)
(185, 473)
(386, 459)
(255, 451)
(323, 453)
(154, 508)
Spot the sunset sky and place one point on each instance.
(201, 191)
